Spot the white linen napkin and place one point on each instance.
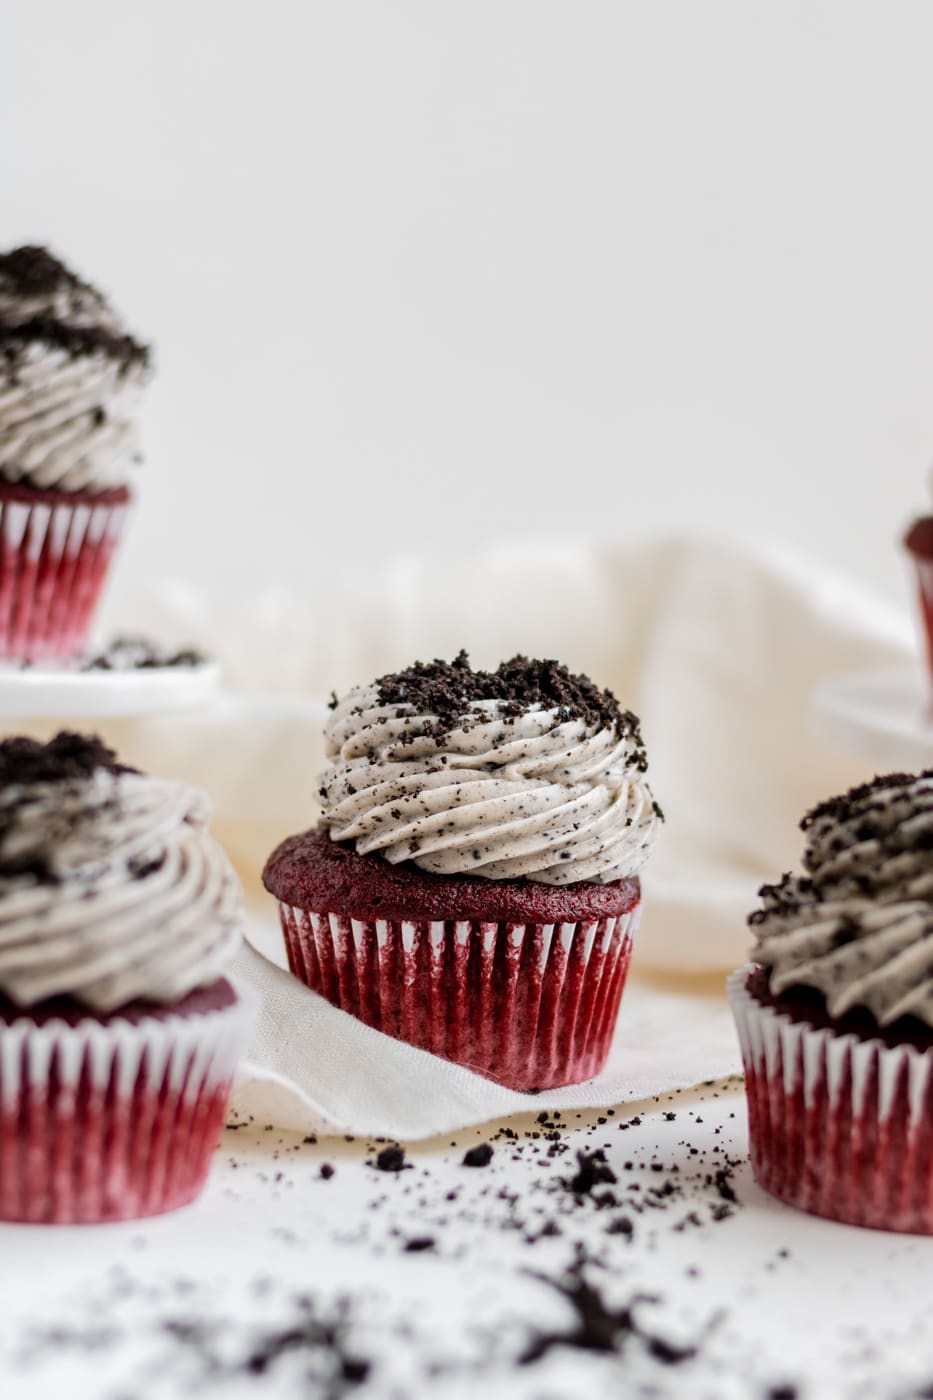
(717, 647)
(314, 1069)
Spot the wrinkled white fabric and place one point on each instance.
(716, 648)
(315, 1069)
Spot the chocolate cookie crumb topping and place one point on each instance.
(451, 690)
(62, 759)
(139, 654)
(33, 270)
(74, 340)
(851, 803)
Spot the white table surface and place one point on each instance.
(173, 1306)
(780, 1304)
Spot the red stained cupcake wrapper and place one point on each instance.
(54, 558)
(838, 1126)
(532, 1006)
(919, 544)
(113, 1122)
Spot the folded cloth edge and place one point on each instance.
(370, 1084)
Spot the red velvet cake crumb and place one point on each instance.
(314, 873)
(18, 491)
(217, 996)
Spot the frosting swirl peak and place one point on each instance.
(858, 925)
(528, 772)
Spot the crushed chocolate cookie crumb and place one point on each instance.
(600, 1327)
(139, 654)
(62, 759)
(390, 1159)
(849, 804)
(74, 340)
(450, 691)
(34, 271)
(593, 1169)
(419, 1244)
(478, 1156)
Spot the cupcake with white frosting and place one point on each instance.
(70, 382)
(119, 1029)
(835, 1016)
(473, 886)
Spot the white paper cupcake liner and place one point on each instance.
(113, 1121)
(838, 1126)
(54, 559)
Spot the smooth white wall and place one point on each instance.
(429, 273)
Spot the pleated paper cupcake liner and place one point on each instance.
(531, 1006)
(55, 554)
(116, 1120)
(838, 1126)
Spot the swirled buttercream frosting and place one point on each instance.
(526, 772)
(112, 890)
(70, 379)
(857, 925)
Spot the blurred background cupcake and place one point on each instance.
(119, 1031)
(473, 888)
(70, 381)
(918, 542)
(835, 1017)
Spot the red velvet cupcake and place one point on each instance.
(473, 888)
(919, 544)
(70, 380)
(119, 1032)
(836, 1016)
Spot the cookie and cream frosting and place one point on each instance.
(111, 888)
(70, 379)
(527, 772)
(857, 926)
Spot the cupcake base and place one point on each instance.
(114, 1118)
(840, 1125)
(56, 549)
(518, 982)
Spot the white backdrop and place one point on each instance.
(429, 274)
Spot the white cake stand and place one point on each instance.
(44, 693)
(884, 716)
